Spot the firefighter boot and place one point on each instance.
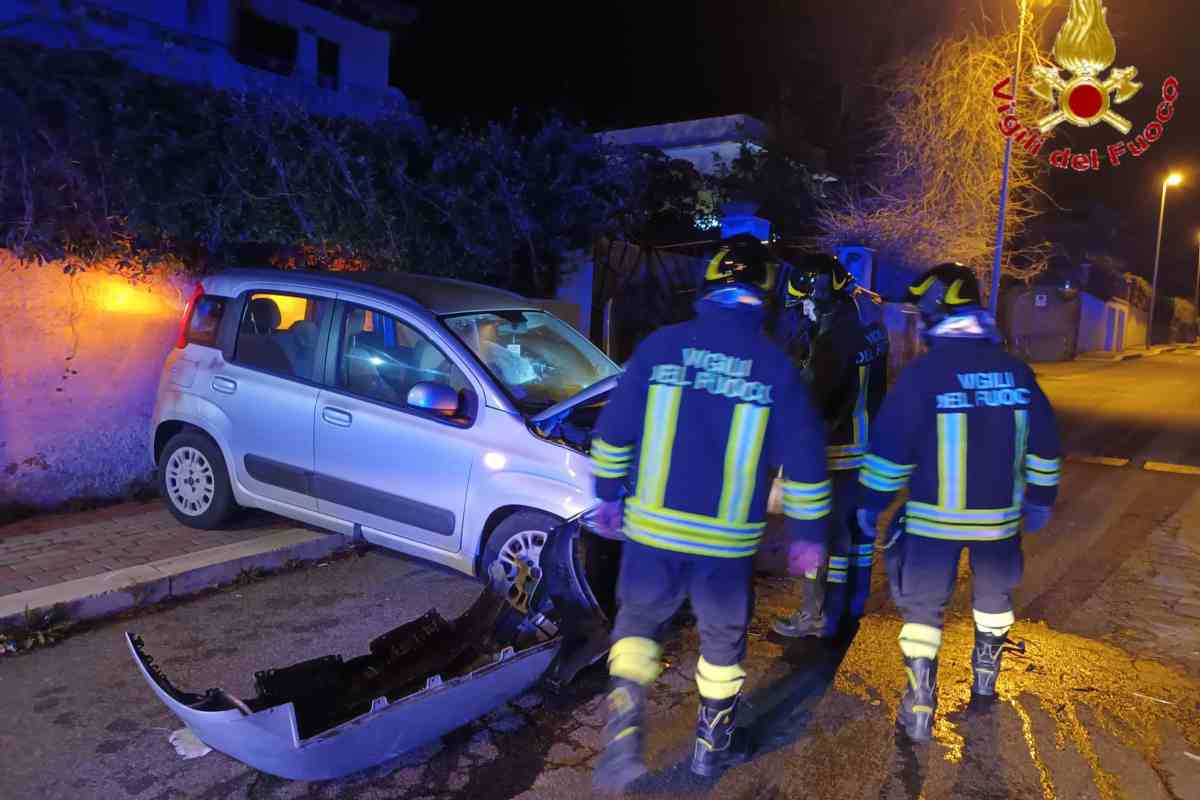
(809, 620)
(991, 635)
(919, 703)
(621, 763)
(985, 661)
(719, 745)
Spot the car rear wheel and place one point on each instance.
(192, 478)
(516, 547)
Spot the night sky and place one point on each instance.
(629, 62)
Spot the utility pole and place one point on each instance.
(1174, 179)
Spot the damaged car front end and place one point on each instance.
(331, 716)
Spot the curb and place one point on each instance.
(1116, 358)
(120, 590)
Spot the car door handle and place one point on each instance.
(335, 416)
(224, 385)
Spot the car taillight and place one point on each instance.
(197, 293)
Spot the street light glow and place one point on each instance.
(1174, 179)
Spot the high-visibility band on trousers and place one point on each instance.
(995, 624)
(636, 659)
(920, 641)
(719, 683)
(836, 576)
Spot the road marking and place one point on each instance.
(1107, 461)
(1155, 699)
(1178, 469)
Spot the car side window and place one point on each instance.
(382, 358)
(280, 332)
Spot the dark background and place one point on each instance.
(630, 62)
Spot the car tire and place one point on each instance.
(517, 543)
(194, 481)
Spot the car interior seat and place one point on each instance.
(301, 346)
(257, 344)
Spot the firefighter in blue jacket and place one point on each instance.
(971, 434)
(702, 412)
(847, 369)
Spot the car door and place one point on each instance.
(399, 472)
(268, 390)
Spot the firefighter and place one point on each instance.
(968, 430)
(702, 409)
(847, 368)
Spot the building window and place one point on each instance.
(328, 63)
(266, 44)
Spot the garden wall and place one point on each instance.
(80, 357)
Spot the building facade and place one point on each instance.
(329, 63)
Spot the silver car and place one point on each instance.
(443, 419)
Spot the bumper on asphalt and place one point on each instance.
(329, 716)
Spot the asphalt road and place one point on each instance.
(1141, 409)
(1104, 704)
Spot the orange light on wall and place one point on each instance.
(118, 296)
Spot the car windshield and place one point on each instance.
(538, 358)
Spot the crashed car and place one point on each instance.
(445, 420)
(331, 716)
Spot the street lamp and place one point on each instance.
(1174, 179)
(994, 300)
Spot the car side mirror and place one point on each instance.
(436, 398)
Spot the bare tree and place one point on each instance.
(936, 194)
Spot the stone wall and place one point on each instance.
(80, 357)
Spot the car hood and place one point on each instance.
(562, 409)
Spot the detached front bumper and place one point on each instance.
(329, 717)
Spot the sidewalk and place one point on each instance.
(1088, 363)
(91, 564)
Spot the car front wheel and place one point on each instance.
(192, 478)
(515, 547)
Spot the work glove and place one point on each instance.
(805, 558)
(1036, 517)
(606, 518)
(868, 522)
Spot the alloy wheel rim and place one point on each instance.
(191, 484)
(521, 557)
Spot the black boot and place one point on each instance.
(719, 745)
(985, 661)
(919, 703)
(621, 763)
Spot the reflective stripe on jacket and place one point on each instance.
(703, 411)
(970, 433)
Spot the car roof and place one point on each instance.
(437, 295)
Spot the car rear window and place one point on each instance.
(206, 320)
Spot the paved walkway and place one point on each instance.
(44, 551)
